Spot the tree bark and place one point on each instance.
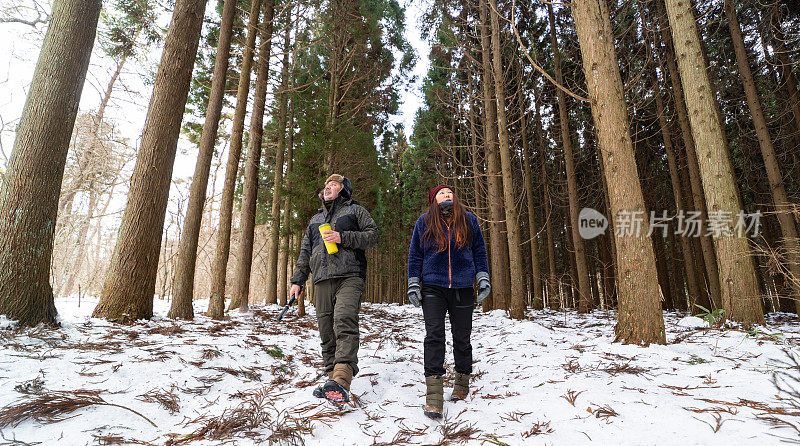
(517, 303)
(130, 283)
(499, 249)
(697, 194)
(283, 257)
(584, 293)
(216, 306)
(183, 282)
(536, 268)
(31, 185)
(783, 207)
(640, 319)
(29, 199)
(244, 261)
(737, 275)
(275, 215)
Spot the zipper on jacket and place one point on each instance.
(449, 262)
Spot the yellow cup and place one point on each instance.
(330, 247)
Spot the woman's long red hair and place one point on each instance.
(436, 231)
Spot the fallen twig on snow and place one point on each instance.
(169, 400)
(539, 428)
(571, 396)
(52, 407)
(117, 439)
(14, 442)
(34, 386)
(242, 419)
(458, 431)
(604, 413)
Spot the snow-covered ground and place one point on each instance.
(556, 378)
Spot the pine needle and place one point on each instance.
(53, 406)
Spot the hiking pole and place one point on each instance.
(286, 308)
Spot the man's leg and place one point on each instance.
(347, 302)
(324, 300)
(434, 307)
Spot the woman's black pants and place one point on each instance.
(436, 303)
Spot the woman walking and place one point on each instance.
(446, 255)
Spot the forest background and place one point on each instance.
(689, 108)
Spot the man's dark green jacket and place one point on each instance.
(358, 232)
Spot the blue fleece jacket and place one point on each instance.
(453, 267)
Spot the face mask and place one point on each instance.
(446, 208)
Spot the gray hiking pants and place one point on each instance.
(337, 302)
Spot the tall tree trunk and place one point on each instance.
(283, 256)
(216, 306)
(499, 249)
(30, 188)
(783, 207)
(688, 260)
(275, 214)
(244, 261)
(736, 272)
(552, 289)
(516, 268)
(584, 293)
(130, 283)
(697, 194)
(477, 176)
(789, 81)
(640, 319)
(183, 282)
(527, 160)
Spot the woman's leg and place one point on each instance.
(434, 307)
(460, 306)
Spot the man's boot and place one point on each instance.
(434, 397)
(337, 389)
(460, 387)
(318, 390)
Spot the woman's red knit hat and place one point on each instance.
(432, 193)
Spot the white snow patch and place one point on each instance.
(556, 378)
(692, 322)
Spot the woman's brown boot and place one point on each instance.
(434, 397)
(460, 387)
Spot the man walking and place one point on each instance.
(339, 273)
